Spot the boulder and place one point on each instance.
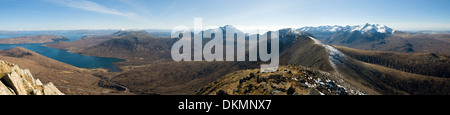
(26, 74)
(4, 90)
(5, 68)
(50, 89)
(38, 82)
(37, 92)
(16, 81)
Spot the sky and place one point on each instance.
(166, 14)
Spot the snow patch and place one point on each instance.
(316, 41)
(335, 56)
(321, 93)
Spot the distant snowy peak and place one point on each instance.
(370, 28)
(322, 28)
(366, 28)
(292, 32)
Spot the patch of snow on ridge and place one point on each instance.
(316, 41)
(335, 56)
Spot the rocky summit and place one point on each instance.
(287, 80)
(17, 81)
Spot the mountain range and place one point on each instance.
(365, 29)
(376, 37)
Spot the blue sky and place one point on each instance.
(166, 14)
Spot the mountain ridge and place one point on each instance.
(376, 37)
(365, 28)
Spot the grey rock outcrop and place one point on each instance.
(16, 81)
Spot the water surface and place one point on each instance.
(77, 60)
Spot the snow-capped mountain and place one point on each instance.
(357, 36)
(290, 32)
(366, 28)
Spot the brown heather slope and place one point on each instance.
(430, 64)
(33, 39)
(412, 84)
(69, 79)
(305, 52)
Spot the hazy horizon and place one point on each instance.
(41, 15)
(210, 27)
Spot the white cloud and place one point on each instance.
(94, 7)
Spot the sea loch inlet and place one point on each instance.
(77, 60)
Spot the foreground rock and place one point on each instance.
(16, 81)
